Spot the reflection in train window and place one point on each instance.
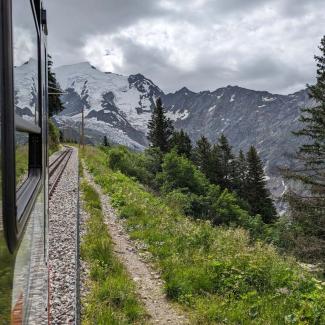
(21, 158)
(25, 39)
(6, 261)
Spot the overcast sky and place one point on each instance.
(200, 44)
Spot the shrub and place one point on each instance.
(153, 160)
(180, 173)
(225, 207)
(183, 185)
(54, 137)
(129, 163)
(179, 201)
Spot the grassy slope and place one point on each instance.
(216, 273)
(112, 298)
(52, 150)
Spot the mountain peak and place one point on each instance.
(142, 83)
(137, 76)
(30, 61)
(85, 65)
(184, 90)
(28, 65)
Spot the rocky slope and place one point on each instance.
(247, 118)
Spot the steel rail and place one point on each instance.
(57, 170)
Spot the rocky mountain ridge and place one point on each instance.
(120, 106)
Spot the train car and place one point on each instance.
(24, 163)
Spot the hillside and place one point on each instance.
(217, 275)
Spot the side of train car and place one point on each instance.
(24, 163)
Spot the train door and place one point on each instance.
(23, 243)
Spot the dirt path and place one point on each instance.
(148, 282)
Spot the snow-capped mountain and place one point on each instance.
(25, 85)
(114, 105)
(120, 106)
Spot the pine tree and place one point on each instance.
(312, 154)
(160, 128)
(105, 141)
(181, 142)
(240, 174)
(55, 103)
(308, 210)
(226, 163)
(61, 137)
(256, 192)
(216, 170)
(202, 157)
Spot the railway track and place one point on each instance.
(57, 167)
(63, 237)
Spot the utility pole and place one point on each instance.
(79, 132)
(82, 128)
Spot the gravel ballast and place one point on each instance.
(63, 214)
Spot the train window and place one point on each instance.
(23, 147)
(25, 45)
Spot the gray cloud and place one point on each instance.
(71, 21)
(201, 44)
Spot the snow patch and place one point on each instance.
(285, 187)
(268, 99)
(232, 99)
(212, 108)
(113, 133)
(178, 115)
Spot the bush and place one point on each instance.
(129, 163)
(180, 173)
(183, 185)
(179, 201)
(153, 159)
(54, 137)
(181, 177)
(225, 207)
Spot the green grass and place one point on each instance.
(112, 298)
(52, 150)
(53, 137)
(215, 273)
